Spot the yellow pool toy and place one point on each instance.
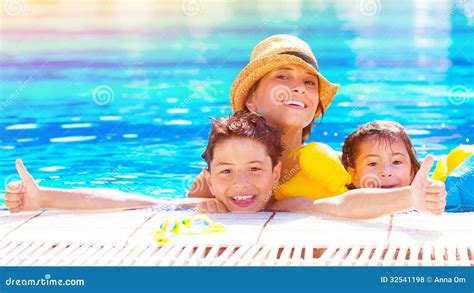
(321, 175)
(451, 161)
(194, 225)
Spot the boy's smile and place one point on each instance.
(244, 201)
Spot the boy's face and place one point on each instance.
(382, 164)
(241, 175)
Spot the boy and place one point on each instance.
(243, 170)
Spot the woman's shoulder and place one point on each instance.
(315, 150)
(321, 174)
(319, 159)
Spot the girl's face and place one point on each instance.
(286, 97)
(382, 164)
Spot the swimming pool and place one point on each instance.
(119, 95)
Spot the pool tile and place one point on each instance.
(291, 228)
(11, 221)
(422, 229)
(98, 227)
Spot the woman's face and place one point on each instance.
(286, 97)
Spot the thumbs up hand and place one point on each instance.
(428, 195)
(23, 195)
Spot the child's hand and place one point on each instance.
(212, 206)
(428, 195)
(23, 195)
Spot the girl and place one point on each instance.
(379, 155)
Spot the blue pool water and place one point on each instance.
(119, 95)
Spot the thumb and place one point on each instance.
(21, 169)
(425, 168)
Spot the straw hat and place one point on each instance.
(274, 52)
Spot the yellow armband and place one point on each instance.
(321, 174)
(449, 162)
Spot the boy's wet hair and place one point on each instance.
(380, 131)
(244, 124)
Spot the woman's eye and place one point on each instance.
(372, 164)
(254, 169)
(397, 162)
(226, 171)
(282, 77)
(310, 83)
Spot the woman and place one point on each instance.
(282, 83)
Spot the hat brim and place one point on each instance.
(255, 70)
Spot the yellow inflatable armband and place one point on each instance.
(449, 162)
(322, 174)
